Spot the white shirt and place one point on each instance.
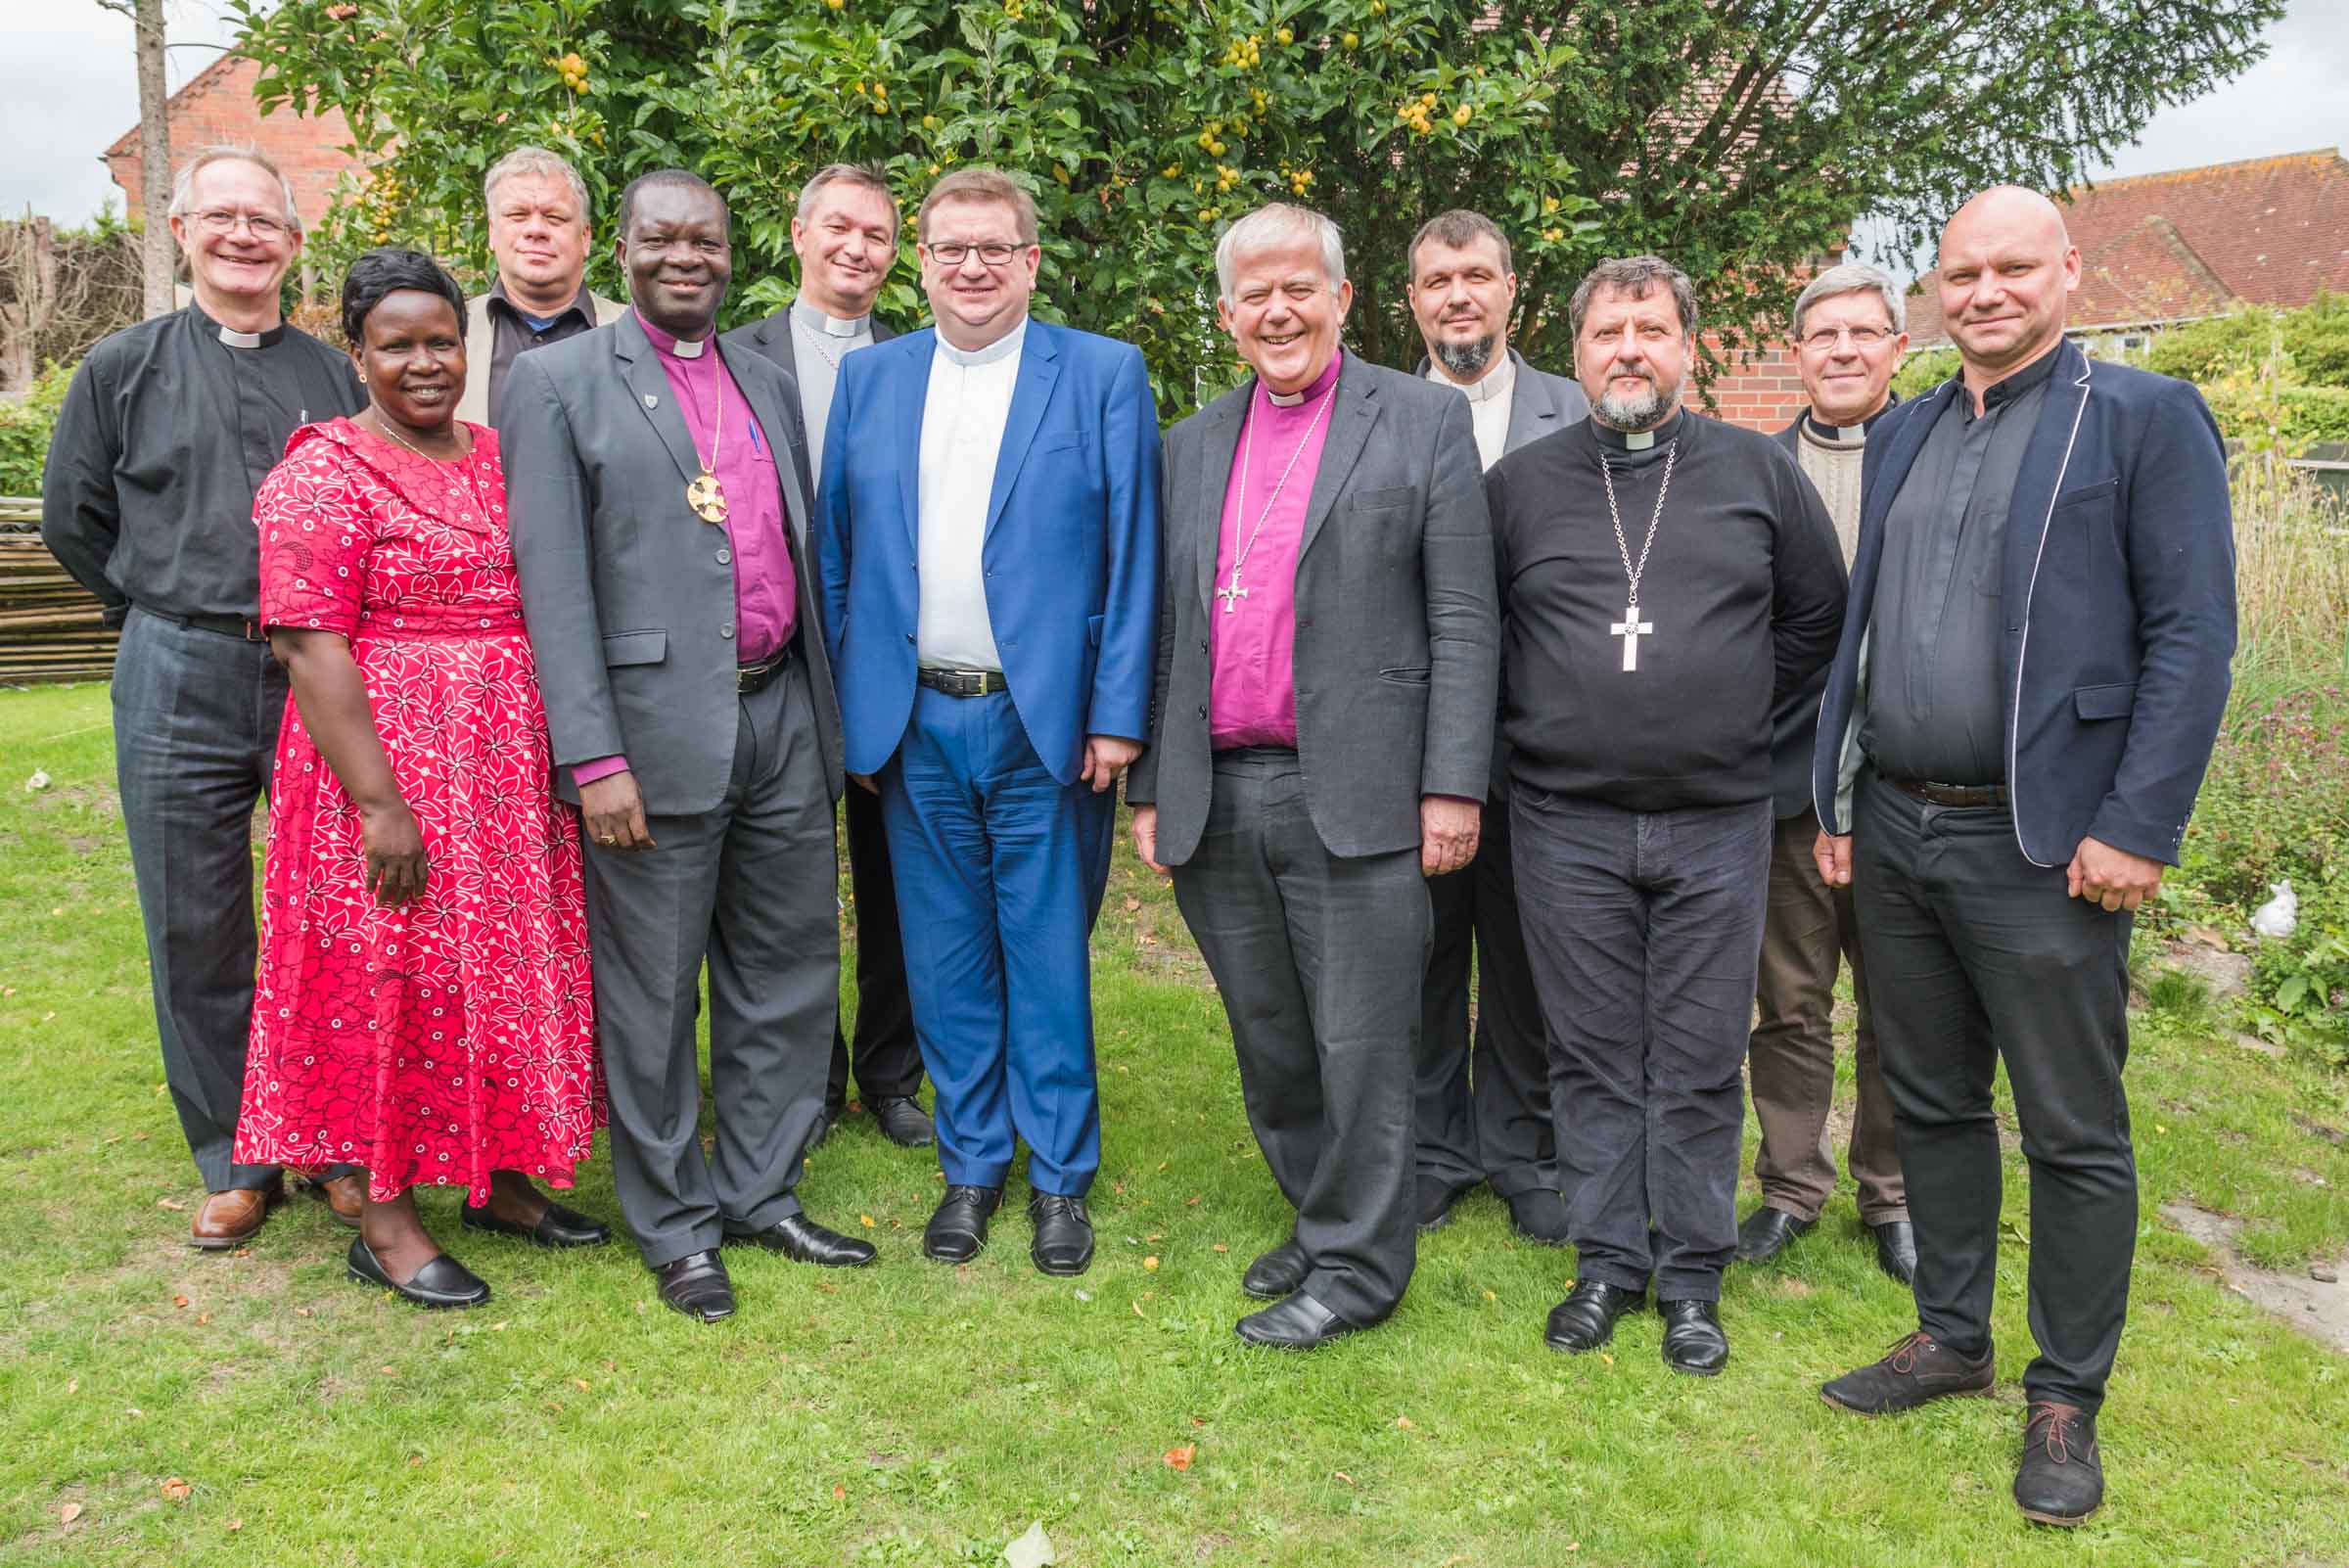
(822, 343)
(1490, 398)
(963, 417)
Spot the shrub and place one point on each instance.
(24, 426)
(1924, 370)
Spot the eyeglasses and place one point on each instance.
(1824, 339)
(219, 221)
(951, 254)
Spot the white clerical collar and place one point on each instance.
(689, 349)
(1638, 440)
(239, 340)
(1003, 348)
(814, 319)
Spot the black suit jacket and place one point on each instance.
(773, 337)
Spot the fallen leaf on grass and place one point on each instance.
(579, 1383)
(203, 1320)
(839, 1494)
(1179, 1458)
(74, 1385)
(1219, 1247)
(1137, 1310)
(173, 1204)
(179, 1300)
(865, 1220)
(1606, 1358)
(68, 1513)
(1343, 1476)
(388, 1371)
(305, 1312)
(236, 1524)
(1791, 1286)
(1132, 903)
(1033, 1549)
(1150, 1264)
(1402, 1423)
(37, 783)
(1489, 1296)
(175, 1489)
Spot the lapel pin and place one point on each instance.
(650, 401)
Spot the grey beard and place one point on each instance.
(1467, 360)
(1643, 412)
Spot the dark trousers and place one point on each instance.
(751, 888)
(1644, 952)
(1003, 868)
(1482, 1111)
(196, 721)
(1318, 959)
(1978, 958)
(888, 1059)
(1791, 1060)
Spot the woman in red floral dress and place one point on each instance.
(424, 1009)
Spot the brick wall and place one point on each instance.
(217, 106)
(1763, 393)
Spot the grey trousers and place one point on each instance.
(752, 888)
(196, 721)
(1318, 959)
(1643, 928)
(1791, 1060)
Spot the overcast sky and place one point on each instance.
(67, 88)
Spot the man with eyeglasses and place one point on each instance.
(987, 535)
(168, 429)
(1848, 342)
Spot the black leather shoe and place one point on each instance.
(903, 1122)
(697, 1285)
(825, 1122)
(958, 1229)
(1693, 1338)
(803, 1240)
(441, 1282)
(1299, 1323)
(557, 1228)
(1277, 1273)
(1765, 1233)
(1540, 1215)
(1917, 1368)
(1895, 1249)
(2062, 1478)
(1585, 1319)
(1434, 1201)
(1063, 1244)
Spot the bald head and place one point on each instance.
(2008, 272)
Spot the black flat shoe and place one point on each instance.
(2060, 1480)
(1694, 1341)
(1298, 1323)
(1895, 1250)
(1277, 1273)
(1433, 1200)
(1585, 1319)
(958, 1229)
(443, 1282)
(1063, 1244)
(1540, 1216)
(697, 1285)
(825, 1122)
(803, 1240)
(1765, 1233)
(903, 1122)
(557, 1228)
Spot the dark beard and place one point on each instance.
(1466, 360)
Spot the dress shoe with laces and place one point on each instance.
(803, 1240)
(696, 1285)
(1539, 1215)
(1919, 1368)
(1297, 1322)
(557, 1228)
(441, 1282)
(957, 1229)
(1895, 1249)
(903, 1122)
(2062, 1478)
(1277, 1273)
(1765, 1233)
(1585, 1319)
(344, 1196)
(233, 1217)
(1694, 1341)
(1063, 1244)
(1433, 1202)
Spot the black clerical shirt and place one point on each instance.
(1934, 684)
(512, 334)
(165, 434)
(1745, 589)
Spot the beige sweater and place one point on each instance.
(1833, 466)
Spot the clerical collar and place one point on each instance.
(670, 344)
(234, 339)
(1497, 381)
(1319, 385)
(1636, 440)
(1002, 348)
(815, 320)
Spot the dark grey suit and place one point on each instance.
(888, 1057)
(1299, 871)
(631, 603)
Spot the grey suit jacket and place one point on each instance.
(629, 597)
(481, 346)
(773, 337)
(1541, 404)
(1397, 641)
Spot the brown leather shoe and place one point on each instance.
(231, 1219)
(344, 1194)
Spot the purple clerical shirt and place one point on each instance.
(1252, 676)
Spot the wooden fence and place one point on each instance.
(50, 627)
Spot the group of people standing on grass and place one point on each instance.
(557, 628)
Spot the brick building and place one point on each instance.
(216, 105)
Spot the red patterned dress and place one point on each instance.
(454, 1035)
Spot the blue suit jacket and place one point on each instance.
(1071, 551)
(2118, 590)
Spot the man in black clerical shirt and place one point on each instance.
(2008, 748)
(1664, 579)
(167, 431)
(539, 232)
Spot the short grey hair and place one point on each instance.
(538, 162)
(183, 186)
(1637, 276)
(859, 174)
(1271, 224)
(1854, 277)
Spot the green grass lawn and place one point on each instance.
(913, 1413)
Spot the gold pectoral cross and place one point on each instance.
(708, 500)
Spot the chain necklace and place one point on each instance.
(1631, 629)
(815, 341)
(1233, 593)
(382, 423)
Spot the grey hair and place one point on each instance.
(183, 187)
(1854, 277)
(859, 174)
(1636, 276)
(538, 162)
(1269, 224)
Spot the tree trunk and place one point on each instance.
(155, 161)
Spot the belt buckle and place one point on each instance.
(253, 632)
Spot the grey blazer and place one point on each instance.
(481, 346)
(628, 596)
(1541, 404)
(1396, 642)
(772, 337)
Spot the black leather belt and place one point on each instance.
(963, 682)
(749, 678)
(1958, 795)
(219, 626)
